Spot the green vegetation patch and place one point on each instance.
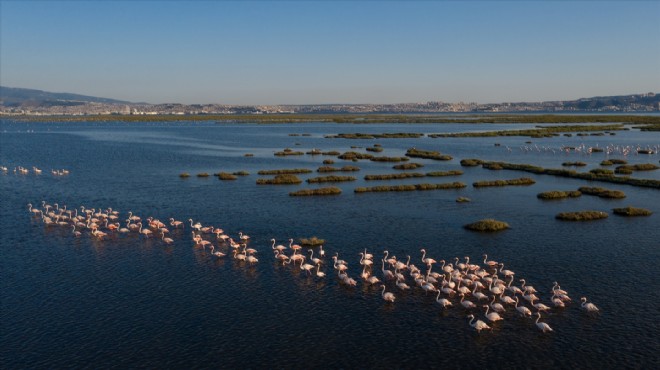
(612, 161)
(428, 154)
(581, 216)
(311, 242)
(444, 173)
(320, 191)
(287, 152)
(408, 166)
(520, 181)
(330, 179)
(184, 175)
(328, 161)
(555, 194)
(639, 167)
(471, 162)
(203, 174)
(487, 225)
(416, 187)
(389, 159)
(375, 149)
(602, 192)
(580, 175)
(602, 171)
(348, 156)
(539, 132)
(290, 171)
(393, 176)
(398, 135)
(280, 180)
(338, 169)
(632, 211)
(575, 164)
(225, 176)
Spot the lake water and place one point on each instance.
(129, 302)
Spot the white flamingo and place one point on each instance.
(541, 325)
(388, 297)
(479, 325)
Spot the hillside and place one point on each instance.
(18, 97)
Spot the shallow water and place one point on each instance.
(130, 302)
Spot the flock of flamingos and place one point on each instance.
(486, 289)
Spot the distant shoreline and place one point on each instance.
(485, 118)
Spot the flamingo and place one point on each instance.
(522, 309)
(218, 253)
(75, 233)
(443, 302)
(466, 304)
(528, 288)
(321, 251)
(252, 260)
(319, 273)
(387, 274)
(281, 256)
(364, 261)
(496, 306)
(196, 226)
(316, 261)
(175, 223)
(493, 316)
(402, 285)
(556, 301)
(589, 307)
(491, 264)
(295, 247)
(478, 295)
(166, 240)
(243, 236)
(541, 325)
(479, 325)
(279, 247)
(427, 261)
(388, 297)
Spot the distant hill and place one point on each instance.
(601, 102)
(18, 97)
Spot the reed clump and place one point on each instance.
(375, 149)
(612, 161)
(241, 173)
(444, 173)
(575, 164)
(203, 174)
(338, 169)
(645, 151)
(248, 155)
(328, 161)
(287, 152)
(428, 154)
(314, 152)
(581, 215)
(357, 135)
(415, 187)
(348, 156)
(280, 180)
(492, 166)
(639, 167)
(311, 242)
(487, 225)
(602, 192)
(408, 166)
(602, 171)
(225, 176)
(632, 211)
(184, 175)
(556, 194)
(389, 159)
(289, 171)
(520, 181)
(321, 179)
(463, 200)
(320, 191)
(471, 162)
(393, 176)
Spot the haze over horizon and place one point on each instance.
(331, 52)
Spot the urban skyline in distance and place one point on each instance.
(18, 101)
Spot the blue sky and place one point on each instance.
(299, 52)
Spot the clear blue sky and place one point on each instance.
(299, 52)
